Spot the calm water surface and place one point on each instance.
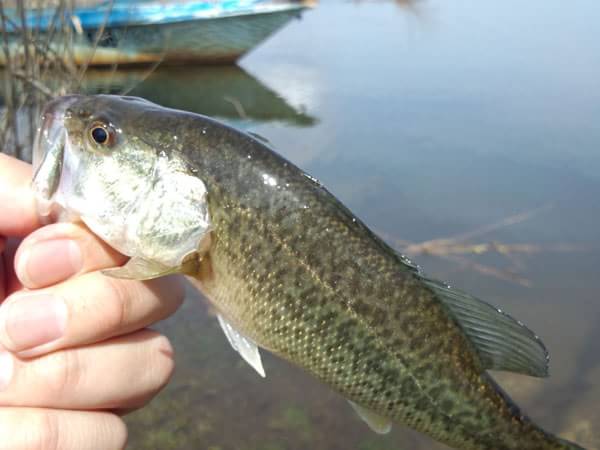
(429, 122)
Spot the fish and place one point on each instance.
(288, 268)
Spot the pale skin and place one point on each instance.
(75, 353)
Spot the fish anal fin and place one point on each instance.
(376, 422)
(501, 342)
(247, 349)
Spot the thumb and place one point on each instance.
(18, 215)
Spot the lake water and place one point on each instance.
(429, 120)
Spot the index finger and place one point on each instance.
(18, 215)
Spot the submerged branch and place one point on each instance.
(457, 249)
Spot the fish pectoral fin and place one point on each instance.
(244, 346)
(141, 269)
(377, 423)
(502, 342)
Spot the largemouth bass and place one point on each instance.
(287, 267)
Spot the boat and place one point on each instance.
(127, 32)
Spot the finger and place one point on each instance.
(11, 282)
(57, 252)
(98, 376)
(18, 215)
(2, 277)
(83, 310)
(42, 429)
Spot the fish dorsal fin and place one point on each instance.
(244, 346)
(502, 342)
(377, 423)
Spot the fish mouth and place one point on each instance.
(48, 155)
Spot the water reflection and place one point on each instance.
(227, 92)
(426, 133)
(407, 5)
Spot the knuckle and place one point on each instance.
(116, 310)
(158, 365)
(25, 429)
(177, 289)
(164, 361)
(39, 429)
(168, 294)
(157, 368)
(47, 434)
(61, 371)
(119, 434)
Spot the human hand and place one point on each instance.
(74, 353)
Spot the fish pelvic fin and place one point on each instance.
(376, 422)
(502, 342)
(247, 349)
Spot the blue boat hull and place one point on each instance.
(205, 40)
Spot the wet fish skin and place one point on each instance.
(291, 268)
(322, 291)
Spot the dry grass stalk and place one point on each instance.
(37, 68)
(40, 64)
(457, 249)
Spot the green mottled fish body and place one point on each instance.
(290, 268)
(295, 271)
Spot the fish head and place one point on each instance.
(99, 159)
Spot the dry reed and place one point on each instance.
(38, 64)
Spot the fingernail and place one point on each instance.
(31, 320)
(34, 269)
(6, 369)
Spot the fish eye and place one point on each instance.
(99, 135)
(102, 134)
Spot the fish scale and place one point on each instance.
(289, 268)
(333, 296)
(340, 288)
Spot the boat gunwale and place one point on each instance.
(128, 15)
